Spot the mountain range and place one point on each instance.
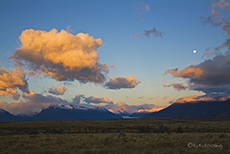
(61, 112)
(201, 109)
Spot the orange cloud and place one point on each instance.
(177, 86)
(10, 81)
(154, 109)
(188, 72)
(58, 91)
(121, 106)
(61, 55)
(97, 100)
(28, 108)
(122, 82)
(221, 4)
(199, 97)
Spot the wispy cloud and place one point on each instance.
(177, 86)
(165, 97)
(149, 33)
(142, 8)
(218, 19)
(147, 8)
(152, 98)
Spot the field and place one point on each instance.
(133, 136)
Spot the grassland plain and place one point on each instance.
(135, 136)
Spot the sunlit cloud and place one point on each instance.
(25, 108)
(61, 55)
(97, 100)
(33, 97)
(122, 82)
(11, 80)
(154, 109)
(122, 106)
(33, 103)
(188, 72)
(57, 91)
(211, 76)
(142, 8)
(177, 86)
(200, 98)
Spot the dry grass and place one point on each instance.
(134, 136)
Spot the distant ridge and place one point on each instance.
(202, 109)
(6, 116)
(61, 112)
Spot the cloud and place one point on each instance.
(121, 106)
(165, 97)
(177, 86)
(152, 98)
(61, 55)
(33, 97)
(219, 19)
(81, 99)
(147, 8)
(33, 103)
(188, 72)
(11, 80)
(149, 33)
(27, 108)
(122, 82)
(77, 99)
(58, 91)
(211, 76)
(142, 8)
(97, 100)
(199, 98)
(154, 109)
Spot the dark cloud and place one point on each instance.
(149, 33)
(122, 82)
(211, 76)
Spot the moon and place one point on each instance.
(194, 51)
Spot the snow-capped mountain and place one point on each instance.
(64, 112)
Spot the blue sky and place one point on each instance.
(114, 22)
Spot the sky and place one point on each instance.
(131, 52)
